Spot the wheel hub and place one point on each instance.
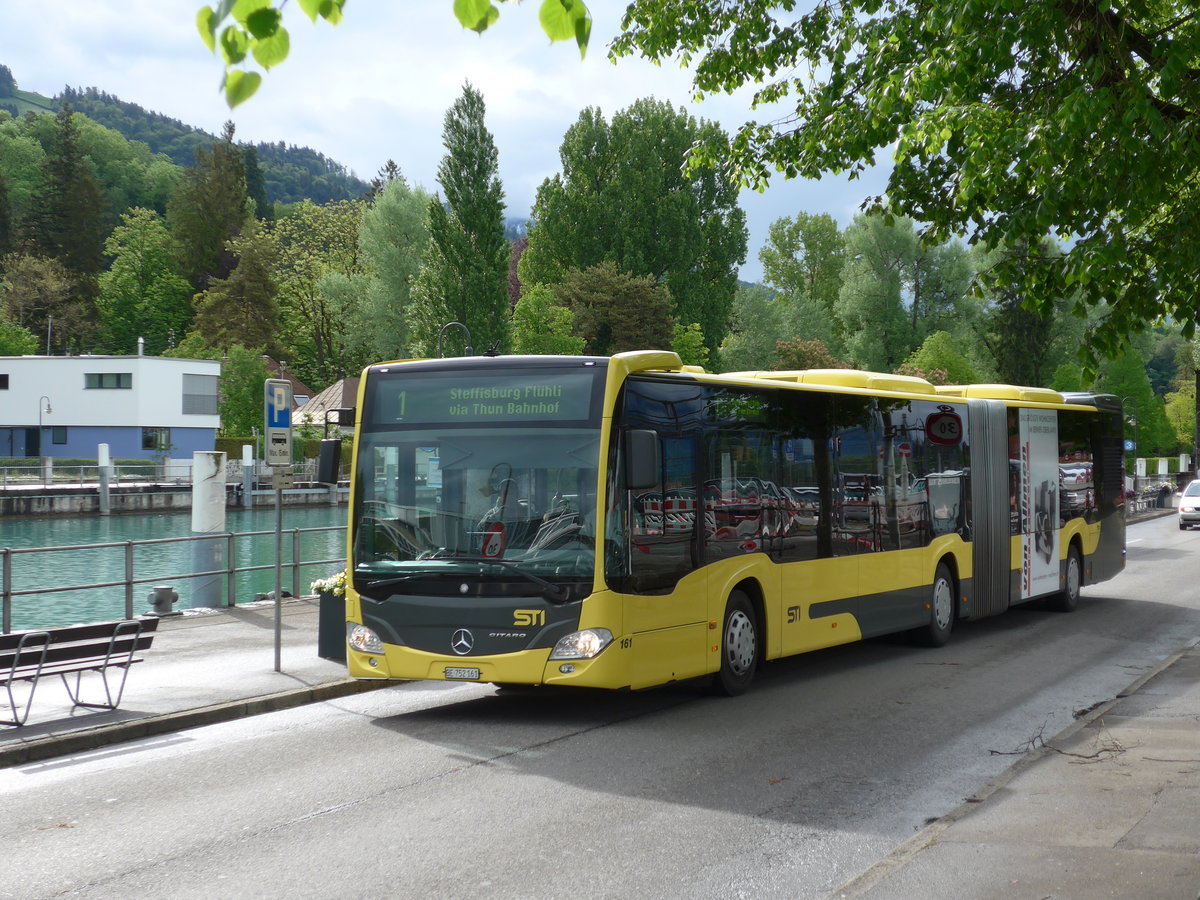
(739, 642)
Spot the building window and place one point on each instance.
(58, 434)
(200, 395)
(3, 382)
(94, 380)
(156, 438)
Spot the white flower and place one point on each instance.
(334, 584)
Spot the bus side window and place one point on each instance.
(663, 520)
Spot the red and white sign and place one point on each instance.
(494, 540)
(944, 428)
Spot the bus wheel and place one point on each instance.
(941, 610)
(739, 646)
(1068, 598)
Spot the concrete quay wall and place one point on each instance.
(49, 500)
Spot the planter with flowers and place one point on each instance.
(331, 616)
(334, 584)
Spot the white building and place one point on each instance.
(143, 407)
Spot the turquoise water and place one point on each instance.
(321, 552)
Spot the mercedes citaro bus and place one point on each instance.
(628, 521)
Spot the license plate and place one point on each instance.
(462, 674)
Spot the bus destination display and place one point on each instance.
(523, 397)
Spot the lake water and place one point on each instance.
(321, 552)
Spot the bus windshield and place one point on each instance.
(503, 507)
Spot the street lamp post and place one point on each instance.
(43, 407)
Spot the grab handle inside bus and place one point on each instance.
(643, 466)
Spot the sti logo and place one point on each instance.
(527, 617)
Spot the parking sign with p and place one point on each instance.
(277, 421)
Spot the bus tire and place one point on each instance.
(941, 610)
(1068, 598)
(739, 646)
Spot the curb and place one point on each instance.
(166, 723)
(927, 836)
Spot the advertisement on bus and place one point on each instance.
(1038, 465)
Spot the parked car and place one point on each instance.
(1189, 506)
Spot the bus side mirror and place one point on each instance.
(329, 462)
(643, 466)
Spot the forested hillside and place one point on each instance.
(290, 173)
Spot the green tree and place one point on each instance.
(242, 308)
(240, 387)
(1019, 335)
(316, 242)
(16, 341)
(37, 295)
(465, 275)
(21, 159)
(615, 312)
(67, 224)
(799, 353)
(1004, 121)
(141, 295)
(209, 208)
(870, 304)
(939, 353)
(1187, 384)
(1180, 410)
(1125, 377)
(896, 291)
(1162, 356)
(256, 187)
(541, 326)
(7, 232)
(688, 342)
(756, 323)
(393, 238)
(622, 197)
(802, 262)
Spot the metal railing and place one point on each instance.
(295, 565)
(137, 473)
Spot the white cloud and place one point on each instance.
(377, 87)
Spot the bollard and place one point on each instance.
(163, 596)
(104, 471)
(208, 520)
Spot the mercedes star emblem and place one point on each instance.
(462, 642)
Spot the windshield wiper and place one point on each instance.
(550, 591)
(392, 582)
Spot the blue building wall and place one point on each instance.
(123, 442)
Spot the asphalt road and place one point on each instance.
(431, 790)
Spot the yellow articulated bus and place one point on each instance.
(631, 521)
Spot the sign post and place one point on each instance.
(277, 443)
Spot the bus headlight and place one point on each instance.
(582, 644)
(363, 639)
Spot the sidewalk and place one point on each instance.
(205, 666)
(1110, 807)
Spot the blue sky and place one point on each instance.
(377, 87)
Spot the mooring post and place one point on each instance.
(208, 519)
(248, 475)
(104, 465)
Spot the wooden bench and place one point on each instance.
(25, 656)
